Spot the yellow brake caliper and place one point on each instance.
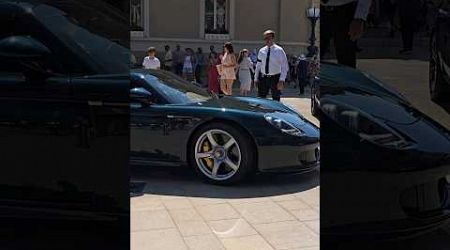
(206, 148)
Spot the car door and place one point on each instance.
(39, 135)
(51, 140)
(149, 133)
(31, 115)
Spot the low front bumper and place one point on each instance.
(368, 205)
(284, 158)
(386, 230)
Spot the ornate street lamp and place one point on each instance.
(313, 15)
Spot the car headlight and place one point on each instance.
(367, 128)
(283, 125)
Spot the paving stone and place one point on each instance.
(203, 242)
(252, 242)
(288, 234)
(157, 240)
(306, 214)
(263, 212)
(293, 204)
(218, 212)
(193, 227)
(177, 203)
(231, 228)
(147, 220)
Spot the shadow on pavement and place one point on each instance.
(183, 181)
(445, 105)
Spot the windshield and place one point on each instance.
(175, 89)
(106, 55)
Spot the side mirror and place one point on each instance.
(142, 96)
(29, 53)
(22, 47)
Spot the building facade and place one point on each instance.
(201, 23)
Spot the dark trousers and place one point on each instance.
(408, 27)
(266, 84)
(198, 74)
(179, 69)
(335, 25)
(302, 82)
(168, 68)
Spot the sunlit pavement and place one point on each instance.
(178, 211)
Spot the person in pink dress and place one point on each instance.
(213, 74)
(228, 65)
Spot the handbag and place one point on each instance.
(219, 69)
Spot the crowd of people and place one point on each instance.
(343, 23)
(265, 71)
(406, 16)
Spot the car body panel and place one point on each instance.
(63, 127)
(383, 182)
(176, 123)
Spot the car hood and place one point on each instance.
(244, 104)
(365, 93)
(252, 105)
(349, 78)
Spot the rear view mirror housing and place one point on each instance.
(23, 48)
(29, 53)
(142, 96)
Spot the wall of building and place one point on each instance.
(174, 18)
(293, 22)
(254, 17)
(251, 18)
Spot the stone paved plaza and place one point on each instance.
(178, 211)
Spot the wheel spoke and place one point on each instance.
(211, 139)
(231, 164)
(204, 155)
(221, 146)
(215, 168)
(229, 143)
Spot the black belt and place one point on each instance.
(270, 76)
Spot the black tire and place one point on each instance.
(314, 106)
(439, 90)
(247, 150)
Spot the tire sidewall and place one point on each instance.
(245, 146)
(439, 88)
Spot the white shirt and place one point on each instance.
(151, 63)
(168, 59)
(362, 9)
(278, 63)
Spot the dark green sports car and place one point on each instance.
(224, 138)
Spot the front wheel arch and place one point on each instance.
(231, 123)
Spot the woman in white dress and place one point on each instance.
(245, 69)
(188, 65)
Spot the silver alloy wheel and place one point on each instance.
(223, 154)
